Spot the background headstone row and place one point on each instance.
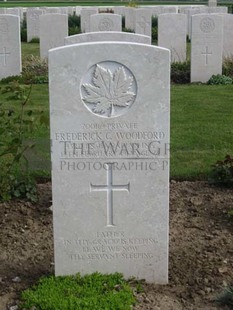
(210, 30)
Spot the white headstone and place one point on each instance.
(185, 11)
(78, 10)
(129, 18)
(21, 13)
(228, 35)
(218, 10)
(212, 3)
(206, 46)
(33, 28)
(33, 8)
(172, 35)
(120, 10)
(105, 22)
(10, 46)
(107, 36)
(110, 132)
(85, 18)
(51, 10)
(155, 11)
(169, 9)
(53, 30)
(190, 13)
(13, 11)
(16, 11)
(64, 10)
(203, 10)
(183, 8)
(72, 10)
(143, 19)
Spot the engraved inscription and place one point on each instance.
(160, 164)
(206, 53)
(122, 143)
(116, 150)
(109, 188)
(4, 56)
(106, 24)
(108, 89)
(207, 25)
(138, 150)
(110, 245)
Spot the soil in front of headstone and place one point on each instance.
(200, 256)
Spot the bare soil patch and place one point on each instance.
(201, 248)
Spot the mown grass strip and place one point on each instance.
(201, 128)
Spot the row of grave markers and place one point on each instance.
(159, 9)
(211, 39)
(136, 19)
(110, 133)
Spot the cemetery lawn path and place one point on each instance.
(201, 248)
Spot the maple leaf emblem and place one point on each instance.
(109, 90)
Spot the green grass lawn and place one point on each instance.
(201, 128)
(201, 125)
(30, 49)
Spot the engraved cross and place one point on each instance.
(109, 188)
(206, 54)
(4, 54)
